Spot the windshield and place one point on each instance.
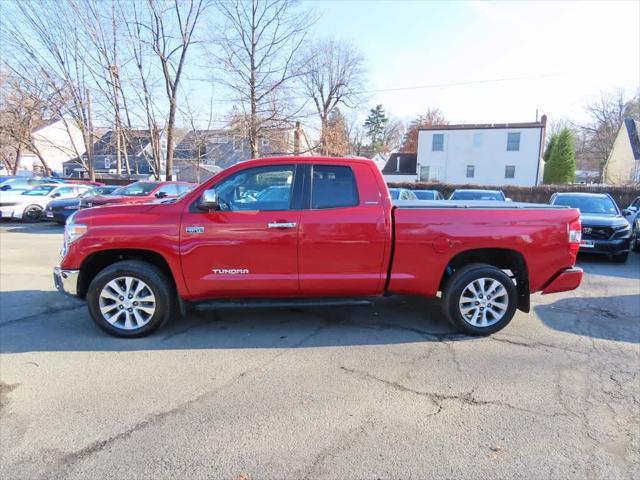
(39, 191)
(586, 204)
(138, 189)
(425, 194)
(469, 195)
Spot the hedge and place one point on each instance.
(538, 194)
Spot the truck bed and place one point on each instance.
(428, 235)
(478, 204)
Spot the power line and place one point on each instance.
(418, 87)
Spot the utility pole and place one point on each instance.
(92, 170)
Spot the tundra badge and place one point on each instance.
(194, 229)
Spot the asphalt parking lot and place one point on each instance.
(387, 391)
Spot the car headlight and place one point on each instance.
(622, 232)
(73, 231)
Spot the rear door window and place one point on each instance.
(333, 186)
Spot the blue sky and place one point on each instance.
(563, 54)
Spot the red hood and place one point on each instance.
(111, 211)
(111, 199)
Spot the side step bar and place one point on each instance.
(281, 303)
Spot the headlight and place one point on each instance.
(623, 231)
(73, 231)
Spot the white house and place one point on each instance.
(482, 154)
(57, 142)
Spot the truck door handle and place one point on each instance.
(282, 225)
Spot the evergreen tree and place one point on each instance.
(562, 159)
(547, 155)
(375, 125)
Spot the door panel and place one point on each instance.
(341, 249)
(248, 249)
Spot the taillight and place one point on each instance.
(575, 236)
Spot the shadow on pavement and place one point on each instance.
(610, 318)
(39, 228)
(67, 326)
(603, 265)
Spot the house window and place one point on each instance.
(237, 143)
(510, 171)
(264, 142)
(471, 171)
(513, 141)
(219, 139)
(437, 144)
(424, 173)
(477, 140)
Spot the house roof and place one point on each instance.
(136, 141)
(484, 126)
(407, 164)
(632, 127)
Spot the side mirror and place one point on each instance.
(55, 195)
(209, 200)
(161, 194)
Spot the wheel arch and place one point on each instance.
(503, 258)
(98, 261)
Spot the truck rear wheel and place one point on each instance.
(130, 298)
(480, 299)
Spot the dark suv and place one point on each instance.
(604, 228)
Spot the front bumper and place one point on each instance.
(607, 247)
(566, 280)
(66, 281)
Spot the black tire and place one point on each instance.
(635, 244)
(32, 214)
(156, 281)
(620, 257)
(457, 284)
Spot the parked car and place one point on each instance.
(14, 184)
(632, 214)
(402, 194)
(469, 194)
(428, 194)
(29, 205)
(140, 192)
(335, 238)
(604, 228)
(59, 210)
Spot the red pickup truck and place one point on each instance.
(308, 230)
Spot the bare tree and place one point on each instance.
(607, 115)
(259, 48)
(334, 75)
(171, 25)
(48, 45)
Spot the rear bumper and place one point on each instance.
(568, 279)
(66, 281)
(608, 247)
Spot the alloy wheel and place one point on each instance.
(483, 302)
(127, 303)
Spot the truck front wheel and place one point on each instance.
(480, 299)
(130, 298)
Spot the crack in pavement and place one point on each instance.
(68, 460)
(438, 399)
